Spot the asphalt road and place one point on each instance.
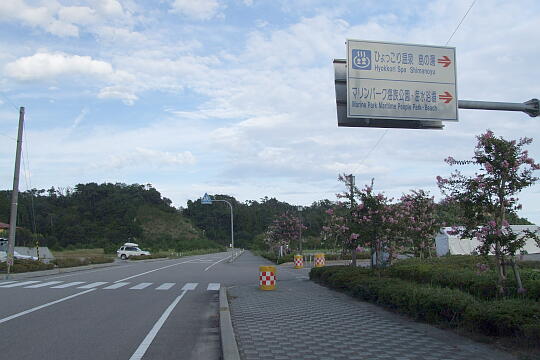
(151, 310)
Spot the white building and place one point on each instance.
(447, 243)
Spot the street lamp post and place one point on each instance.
(207, 200)
(300, 208)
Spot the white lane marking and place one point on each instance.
(19, 284)
(79, 272)
(139, 353)
(6, 282)
(217, 262)
(92, 285)
(43, 306)
(63, 286)
(213, 286)
(147, 272)
(115, 286)
(190, 286)
(43, 284)
(140, 286)
(165, 286)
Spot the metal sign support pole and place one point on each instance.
(531, 107)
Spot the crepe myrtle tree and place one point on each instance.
(416, 211)
(284, 230)
(340, 226)
(336, 227)
(505, 168)
(377, 221)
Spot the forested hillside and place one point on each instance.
(105, 215)
(251, 218)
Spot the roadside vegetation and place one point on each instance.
(448, 292)
(477, 294)
(21, 266)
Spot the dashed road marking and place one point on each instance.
(116, 286)
(69, 284)
(48, 283)
(190, 286)
(165, 286)
(93, 285)
(18, 284)
(140, 286)
(213, 287)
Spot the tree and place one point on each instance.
(505, 168)
(284, 230)
(376, 224)
(417, 210)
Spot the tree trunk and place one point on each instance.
(500, 271)
(353, 258)
(516, 274)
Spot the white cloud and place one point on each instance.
(118, 92)
(52, 65)
(199, 10)
(110, 7)
(41, 16)
(77, 15)
(149, 158)
(80, 117)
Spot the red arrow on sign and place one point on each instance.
(445, 61)
(446, 97)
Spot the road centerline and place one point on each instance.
(150, 271)
(141, 350)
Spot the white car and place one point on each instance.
(16, 255)
(130, 249)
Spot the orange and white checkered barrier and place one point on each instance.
(267, 277)
(319, 260)
(298, 261)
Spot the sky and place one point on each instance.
(237, 97)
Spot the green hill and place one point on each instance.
(104, 215)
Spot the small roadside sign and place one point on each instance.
(206, 199)
(396, 81)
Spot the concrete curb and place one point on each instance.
(229, 347)
(56, 271)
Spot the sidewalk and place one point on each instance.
(302, 320)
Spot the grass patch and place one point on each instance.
(81, 261)
(21, 266)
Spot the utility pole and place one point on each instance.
(15, 195)
(300, 208)
(350, 180)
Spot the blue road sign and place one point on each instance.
(206, 199)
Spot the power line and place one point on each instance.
(370, 151)
(463, 18)
(28, 180)
(9, 100)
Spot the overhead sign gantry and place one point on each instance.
(401, 81)
(408, 86)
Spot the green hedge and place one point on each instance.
(434, 304)
(458, 273)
